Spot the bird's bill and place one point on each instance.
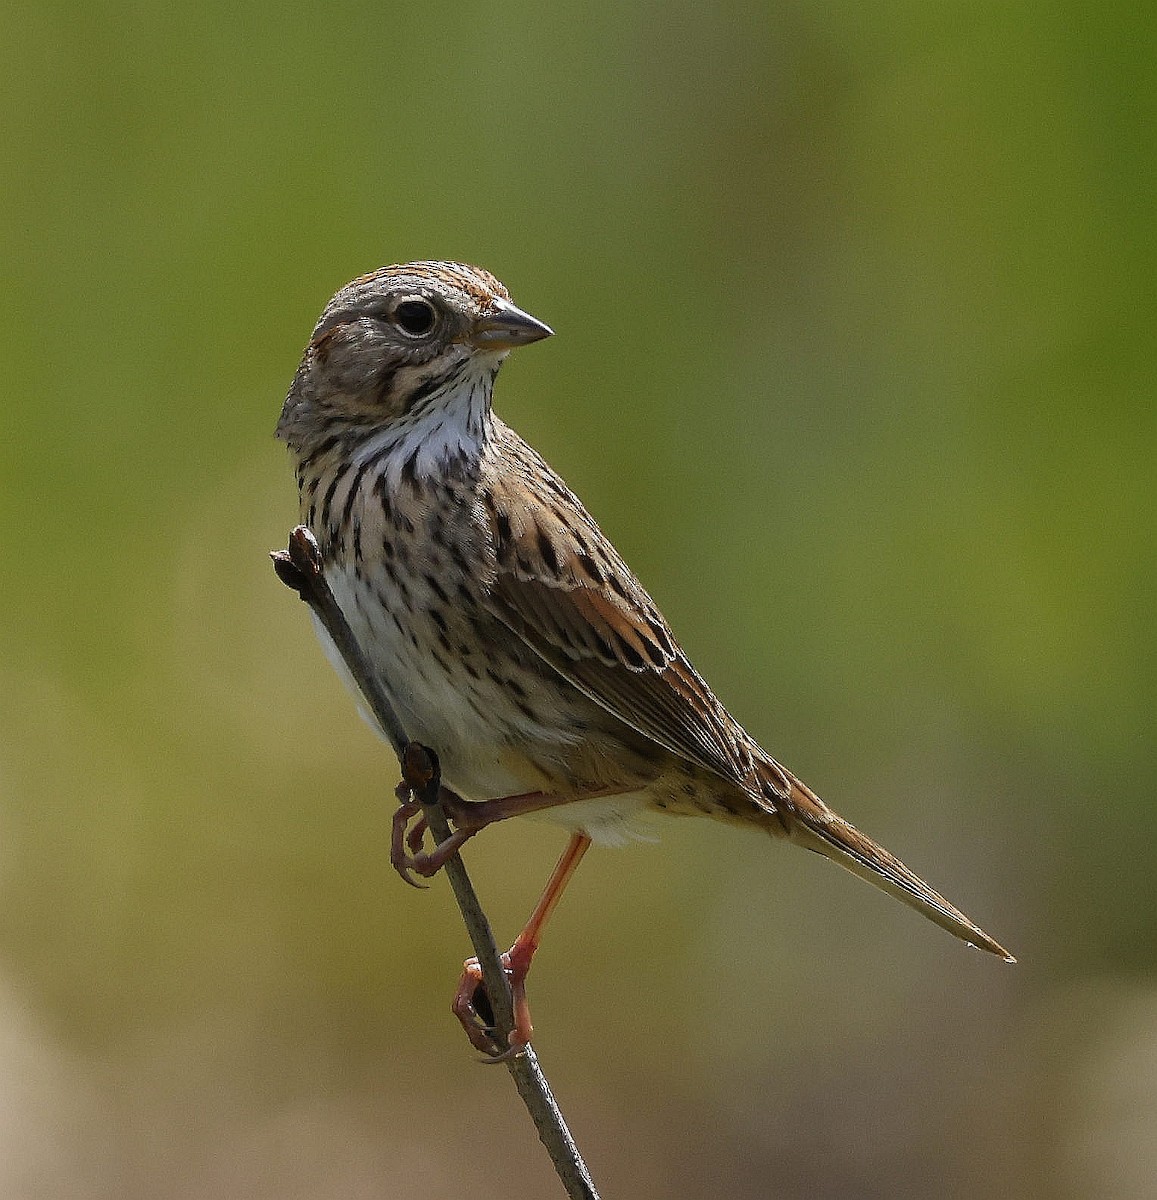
(505, 327)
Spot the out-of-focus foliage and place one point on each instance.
(855, 362)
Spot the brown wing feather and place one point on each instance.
(564, 590)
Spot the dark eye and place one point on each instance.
(415, 317)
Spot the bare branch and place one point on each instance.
(300, 568)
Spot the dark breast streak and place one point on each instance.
(419, 564)
(416, 562)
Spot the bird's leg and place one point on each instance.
(469, 817)
(471, 994)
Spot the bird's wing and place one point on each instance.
(561, 586)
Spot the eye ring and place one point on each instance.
(415, 316)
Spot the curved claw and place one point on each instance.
(399, 859)
(406, 853)
(504, 1055)
(480, 1031)
(416, 834)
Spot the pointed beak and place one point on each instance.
(505, 327)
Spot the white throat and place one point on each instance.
(451, 424)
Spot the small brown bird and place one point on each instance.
(508, 633)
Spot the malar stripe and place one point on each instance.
(327, 499)
(320, 451)
(352, 494)
(429, 387)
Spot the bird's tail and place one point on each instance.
(809, 822)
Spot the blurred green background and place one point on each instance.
(855, 362)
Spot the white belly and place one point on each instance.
(474, 728)
(476, 744)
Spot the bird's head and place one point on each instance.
(401, 338)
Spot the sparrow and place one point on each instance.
(508, 633)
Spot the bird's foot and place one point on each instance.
(406, 853)
(473, 1009)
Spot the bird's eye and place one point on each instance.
(415, 317)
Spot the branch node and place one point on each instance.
(420, 770)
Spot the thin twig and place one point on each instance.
(300, 568)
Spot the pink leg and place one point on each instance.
(517, 962)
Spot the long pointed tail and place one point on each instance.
(812, 824)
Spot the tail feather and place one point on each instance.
(812, 824)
